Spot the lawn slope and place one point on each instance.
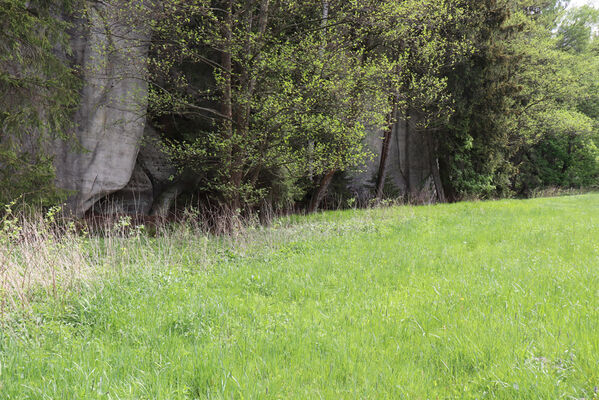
(470, 300)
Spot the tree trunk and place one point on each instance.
(437, 180)
(434, 160)
(323, 40)
(391, 120)
(380, 179)
(323, 25)
(408, 157)
(164, 202)
(227, 107)
(227, 63)
(321, 191)
(262, 24)
(448, 190)
(247, 86)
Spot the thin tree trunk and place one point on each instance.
(448, 190)
(262, 24)
(321, 191)
(227, 63)
(434, 161)
(252, 81)
(408, 171)
(391, 120)
(323, 24)
(164, 202)
(323, 40)
(437, 180)
(248, 82)
(380, 179)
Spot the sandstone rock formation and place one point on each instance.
(111, 47)
(412, 170)
(152, 185)
(116, 165)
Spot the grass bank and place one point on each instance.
(471, 300)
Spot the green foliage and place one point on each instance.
(475, 146)
(567, 156)
(489, 79)
(39, 93)
(288, 96)
(28, 177)
(575, 32)
(525, 103)
(562, 126)
(295, 86)
(257, 100)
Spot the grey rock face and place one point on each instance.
(135, 198)
(411, 162)
(111, 47)
(152, 187)
(156, 164)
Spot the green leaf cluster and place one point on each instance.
(38, 95)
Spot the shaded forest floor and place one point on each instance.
(470, 300)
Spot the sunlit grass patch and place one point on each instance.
(471, 300)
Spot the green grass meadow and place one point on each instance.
(483, 300)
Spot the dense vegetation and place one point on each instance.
(38, 93)
(462, 301)
(267, 103)
(525, 106)
(239, 111)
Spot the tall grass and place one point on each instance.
(494, 300)
(35, 257)
(45, 255)
(48, 255)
